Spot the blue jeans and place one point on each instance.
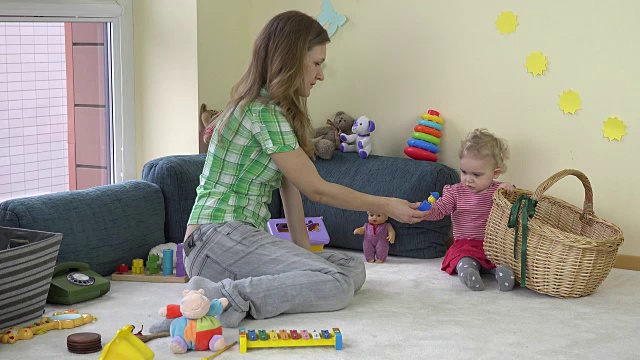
(266, 276)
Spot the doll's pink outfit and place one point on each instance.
(376, 244)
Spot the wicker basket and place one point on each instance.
(567, 251)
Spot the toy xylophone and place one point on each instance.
(250, 339)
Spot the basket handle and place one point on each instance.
(587, 209)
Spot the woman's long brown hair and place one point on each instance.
(277, 63)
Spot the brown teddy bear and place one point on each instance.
(327, 138)
(206, 116)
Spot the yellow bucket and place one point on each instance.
(126, 346)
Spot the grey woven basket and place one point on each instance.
(27, 260)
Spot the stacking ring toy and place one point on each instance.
(430, 124)
(425, 137)
(423, 145)
(427, 130)
(420, 154)
(433, 118)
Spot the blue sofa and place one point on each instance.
(113, 224)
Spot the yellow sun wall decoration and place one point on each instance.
(614, 128)
(536, 63)
(570, 101)
(507, 22)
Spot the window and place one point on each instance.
(66, 96)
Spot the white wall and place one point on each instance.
(224, 49)
(166, 78)
(393, 60)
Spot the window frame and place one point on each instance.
(119, 14)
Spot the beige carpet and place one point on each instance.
(407, 309)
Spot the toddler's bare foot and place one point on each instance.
(379, 261)
(370, 261)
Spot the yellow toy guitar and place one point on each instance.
(66, 319)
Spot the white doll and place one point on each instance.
(360, 140)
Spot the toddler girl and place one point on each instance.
(483, 159)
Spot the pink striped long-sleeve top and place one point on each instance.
(469, 211)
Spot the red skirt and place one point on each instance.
(465, 248)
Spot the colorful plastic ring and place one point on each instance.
(433, 118)
(420, 154)
(430, 124)
(423, 145)
(433, 112)
(425, 137)
(427, 130)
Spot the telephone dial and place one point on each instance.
(74, 282)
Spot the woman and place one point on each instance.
(261, 142)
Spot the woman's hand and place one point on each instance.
(298, 168)
(403, 211)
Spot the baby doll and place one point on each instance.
(483, 159)
(378, 233)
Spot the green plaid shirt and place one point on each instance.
(238, 175)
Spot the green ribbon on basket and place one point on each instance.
(528, 206)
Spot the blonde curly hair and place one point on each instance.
(484, 144)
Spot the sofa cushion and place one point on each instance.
(178, 176)
(404, 178)
(102, 226)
